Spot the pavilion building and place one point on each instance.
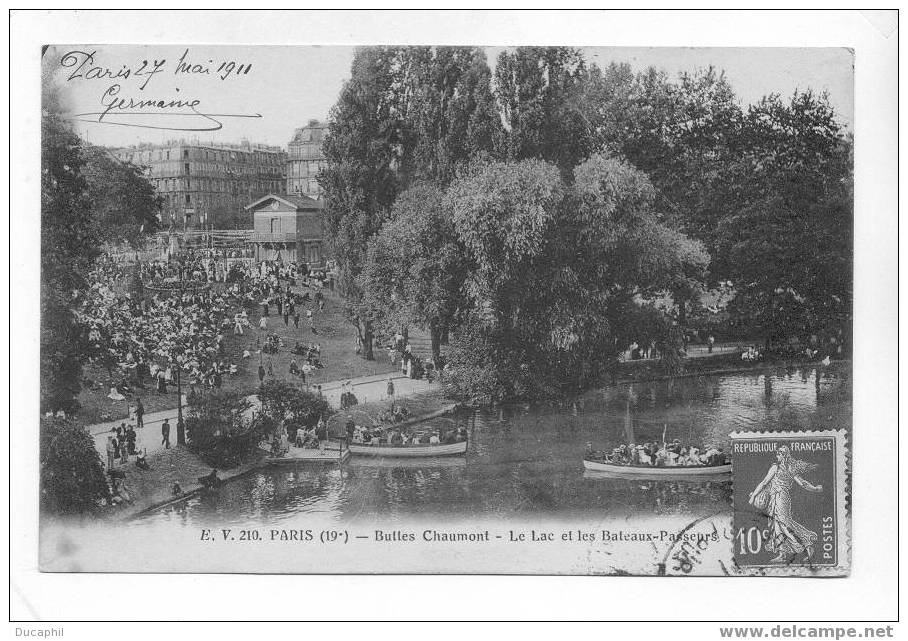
(287, 227)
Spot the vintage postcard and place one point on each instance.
(446, 309)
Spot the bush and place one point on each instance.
(72, 475)
(220, 429)
(486, 367)
(282, 401)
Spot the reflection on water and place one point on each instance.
(525, 460)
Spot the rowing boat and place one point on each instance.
(652, 471)
(409, 451)
(330, 453)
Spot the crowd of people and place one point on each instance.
(411, 365)
(666, 454)
(146, 339)
(397, 436)
(181, 330)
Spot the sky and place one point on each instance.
(268, 91)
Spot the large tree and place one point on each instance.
(444, 95)
(69, 245)
(540, 96)
(362, 151)
(682, 133)
(407, 115)
(788, 246)
(556, 273)
(415, 268)
(125, 206)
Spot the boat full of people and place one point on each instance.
(395, 442)
(410, 451)
(658, 460)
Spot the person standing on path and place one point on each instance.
(131, 440)
(165, 434)
(321, 432)
(261, 373)
(391, 391)
(140, 412)
(110, 452)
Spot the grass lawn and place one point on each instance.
(338, 355)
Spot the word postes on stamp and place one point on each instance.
(789, 503)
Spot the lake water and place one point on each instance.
(525, 461)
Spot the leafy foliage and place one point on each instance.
(540, 95)
(69, 245)
(788, 246)
(362, 150)
(576, 197)
(444, 96)
(407, 115)
(72, 475)
(87, 198)
(415, 266)
(220, 429)
(556, 274)
(125, 206)
(284, 402)
(503, 213)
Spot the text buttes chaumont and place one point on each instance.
(432, 536)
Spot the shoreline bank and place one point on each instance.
(719, 365)
(427, 406)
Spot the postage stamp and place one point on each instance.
(790, 502)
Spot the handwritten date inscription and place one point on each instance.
(142, 110)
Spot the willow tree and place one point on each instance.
(557, 274)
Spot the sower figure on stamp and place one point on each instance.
(772, 496)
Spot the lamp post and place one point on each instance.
(181, 427)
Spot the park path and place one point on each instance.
(366, 389)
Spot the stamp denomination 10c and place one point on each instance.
(789, 503)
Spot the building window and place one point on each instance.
(186, 168)
(186, 154)
(188, 199)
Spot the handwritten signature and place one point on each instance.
(146, 113)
